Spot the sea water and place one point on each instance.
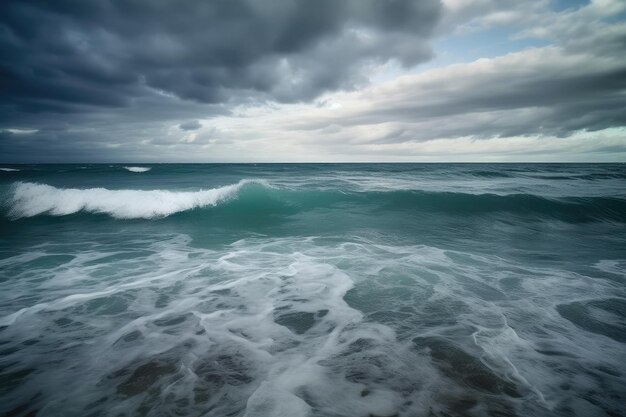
(313, 290)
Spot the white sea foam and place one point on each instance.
(241, 304)
(297, 327)
(138, 169)
(9, 169)
(30, 199)
(612, 266)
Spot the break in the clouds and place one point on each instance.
(287, 80)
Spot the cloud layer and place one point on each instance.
(66, 54)
(299, 80)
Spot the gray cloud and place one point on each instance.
(69, 66)
(578, 83)
(190, 125)
(131, 80)
(65, 55)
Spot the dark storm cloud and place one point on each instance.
(71, 55)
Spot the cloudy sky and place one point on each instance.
(312, 80)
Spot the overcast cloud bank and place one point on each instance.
(286, 80)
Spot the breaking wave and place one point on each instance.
(258, 197)
(31, 199)
(138, 169)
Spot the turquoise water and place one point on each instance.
(313, 290)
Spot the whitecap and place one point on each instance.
(30, 199)
(138, 169)
(9, 169)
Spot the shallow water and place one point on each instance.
(313, 290)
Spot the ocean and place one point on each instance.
(313, 290)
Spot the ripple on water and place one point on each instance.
(606, 317)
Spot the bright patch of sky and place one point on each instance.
(489, 43)
(560, 5)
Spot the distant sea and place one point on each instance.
(313, 290)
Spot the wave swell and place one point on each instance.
(31, 199)
(260, 198)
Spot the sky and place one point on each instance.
(312, 81)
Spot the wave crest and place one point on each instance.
(138, 169)
(30, 199)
